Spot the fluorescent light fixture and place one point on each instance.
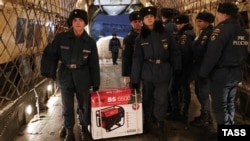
(113, 10)
(114, 7)
(115, 2)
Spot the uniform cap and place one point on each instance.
(134, 16)
(206, 16)
(167, 12)
(228, 8)
(181, 18)
(148, 11)
(78, 13)
(175, 12)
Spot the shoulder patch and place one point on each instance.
(184, 36)
(183, 39)
(215, 33)
(204, 37)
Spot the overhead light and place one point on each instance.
(115, 2)
(114, 7)
(113, 10)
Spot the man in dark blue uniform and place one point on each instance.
(114, 46)
(155, 51)
(204, 22)
(180, 83)
(167, 17)
(79, 70)
(128, 46)
(226, 52)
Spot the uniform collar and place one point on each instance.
(83, 36)
(186, 27)
(209, 27)
(229, 20)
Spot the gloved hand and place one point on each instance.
(126, 80)
(202, 80)
(95, 88)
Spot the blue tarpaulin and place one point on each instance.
(105, 25)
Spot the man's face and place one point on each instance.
(78, 24)
(201, 24)
(220, 17)
(149, 20)
(136, 24)
(180, 26)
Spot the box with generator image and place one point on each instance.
(115, 112)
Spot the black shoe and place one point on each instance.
(62, 132)
(70, 135)
(85, 134)
(160, 132)
(202, 121)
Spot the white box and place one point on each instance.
(115, 113)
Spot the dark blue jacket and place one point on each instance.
(127, 52)
(185, 39)
(155, 44)
(82, 51)
(114, 45)
(226, 52)
(199, 46)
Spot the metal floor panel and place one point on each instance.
(48, 125)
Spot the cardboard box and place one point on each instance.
(115, 113)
